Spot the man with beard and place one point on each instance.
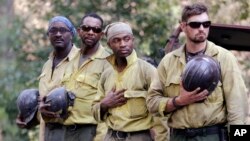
(82, 77)
(188, 117)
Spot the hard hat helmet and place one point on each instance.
(201, 71)
(27, 104)
(60, 99)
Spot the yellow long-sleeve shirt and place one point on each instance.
(49, 80)
(136, 78)
(160, 128)
(227, 103)
(83, 81)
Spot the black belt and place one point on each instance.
(69, 127)
(77, 126)
(192, 132)
(53, 125)
(123, 135)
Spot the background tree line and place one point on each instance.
(25, 46)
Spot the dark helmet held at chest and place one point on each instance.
(27, 104)
(201, 71)
(60, 99)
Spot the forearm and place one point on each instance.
(103, 110)
(96, 111)
(156, 101)
(173, 104)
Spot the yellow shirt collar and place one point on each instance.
(69, 57)
(101, 53)
(211, 50)
(130, 59)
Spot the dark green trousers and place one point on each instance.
(58, 132)
(209, 133)
(213, 137)
(54, 132)
(85, 132)
(142, 136)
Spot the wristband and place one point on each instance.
(175, 104)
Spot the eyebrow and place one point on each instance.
(99, 26)
(198, 21)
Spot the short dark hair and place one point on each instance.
(94, 15)
(191, 10)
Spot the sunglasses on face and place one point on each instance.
(54, 30)
(205, 24)
(88, 28)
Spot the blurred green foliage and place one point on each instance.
(151, 19)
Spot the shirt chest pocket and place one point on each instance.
(172, 86)
(44, 80)
(136, 103)
(88, 80)
(66, 80)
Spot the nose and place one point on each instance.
(201, 27)
(123, 43)
(90, 31)
(58, 33)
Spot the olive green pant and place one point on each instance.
(57, 132)
(83, 133)
(178, 137)
(131, 137)
(54, 132)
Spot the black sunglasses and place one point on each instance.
(205, 24)
(88, 28)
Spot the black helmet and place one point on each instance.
(201, 71)
(27, 104)
(59, 100)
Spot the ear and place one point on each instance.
(78, 31)
(183, 26)
(133, 38)
(108, 43)
(101, 34)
